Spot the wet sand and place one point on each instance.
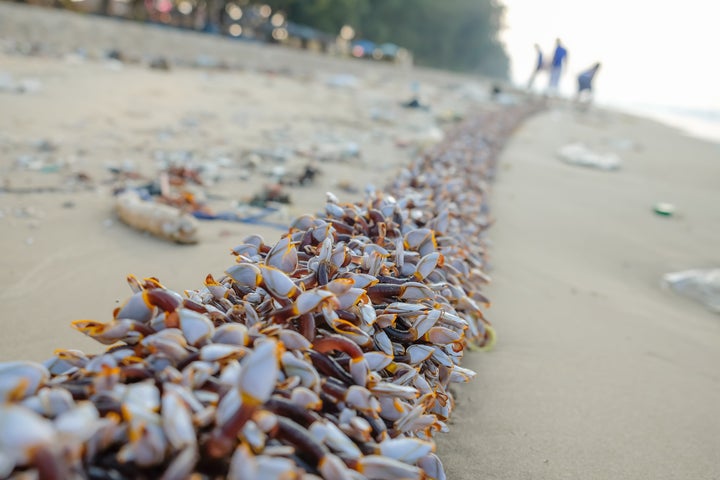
(598, 372)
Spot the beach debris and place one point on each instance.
(23, 85)
(449, 116)
(115, 54)
(343, 80)
(414, 103)
(664, 209)
(159, 63)
(337, 151)
(304, 177)
(347, 186)
(163, 221)
(273, 193)
(209, 62)
(330, 353)
(421, 137)
(44, 145)
(579, 154)
(702, 285)
(278, 154)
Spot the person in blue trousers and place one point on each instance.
(557, 66)
(585, 79)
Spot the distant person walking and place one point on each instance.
(556, 66)
(585, 79)
(539, 66)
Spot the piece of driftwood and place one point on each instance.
(160, 220)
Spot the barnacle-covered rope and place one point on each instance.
(328, 353)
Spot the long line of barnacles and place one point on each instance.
(328, 354)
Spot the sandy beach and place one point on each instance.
(598, 371)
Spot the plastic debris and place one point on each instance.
(664, 209)
(160, 220)
(580, 154)
(702, 285)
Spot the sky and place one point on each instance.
(653, 53)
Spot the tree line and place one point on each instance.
(459, 35)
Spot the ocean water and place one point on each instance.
(703, 123)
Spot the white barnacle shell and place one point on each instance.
(229, 404)
(395, 390)
(385, 468)
(283, 255)
(351, 297)
(76, 425)
(21, 431)
(461, 375)
(50, 401)
(427, 265)
(301, 368)
(215, 352)
(260, 371)
(177, 421)
(329, 434)
(278, 283)
(406, 449)
(293, 340)
(20, 379)
(245, 274)
(419, 353)
(143, 396)
(305, 398)
(196, 327)
(313, 300)
(231, 334)
(378, 360)
(197, 373)
(432, 466)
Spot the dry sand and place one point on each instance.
(598, 372)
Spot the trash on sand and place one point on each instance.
(420, 138)
(304, 177)
(342, 81)
(270, 194)
(160, 220)
(331, 151)
(24, 85)
(258, 216)
(159, 63)
(415, 103)
(579, 154)
(664, 209)
(347, 186)
(449, 116)
(702, 285)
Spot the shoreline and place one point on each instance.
(594, 359)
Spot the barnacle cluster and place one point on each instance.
(328, 354)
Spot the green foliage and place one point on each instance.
(451, 34)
